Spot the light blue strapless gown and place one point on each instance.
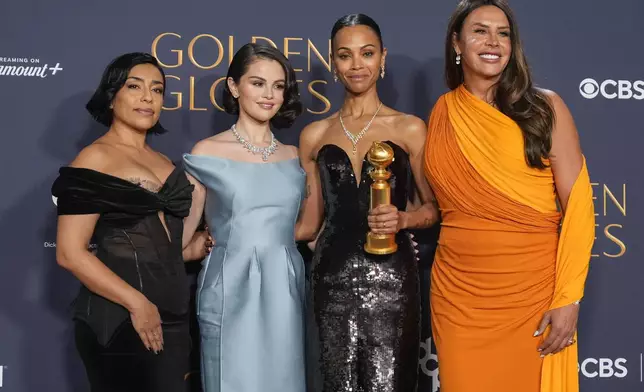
(251, 292)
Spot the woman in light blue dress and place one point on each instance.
(251, 292)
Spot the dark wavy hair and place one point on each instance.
(113, 80)
(247, 55)
(516, 96)
(356, 20)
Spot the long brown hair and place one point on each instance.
(516, 97)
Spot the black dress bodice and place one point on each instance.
(131, 241)
(346, 203)
(366, 307)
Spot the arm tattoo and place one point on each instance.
(308, 191)
(425, 223)
(428, 221)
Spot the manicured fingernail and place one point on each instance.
(536, 333)
(542, 356)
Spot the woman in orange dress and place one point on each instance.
(504, 161)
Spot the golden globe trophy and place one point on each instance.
(380, 156)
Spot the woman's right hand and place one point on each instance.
(147, 323)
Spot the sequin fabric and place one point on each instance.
(367, 307)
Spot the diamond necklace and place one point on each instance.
(355, 139)
(265, 151)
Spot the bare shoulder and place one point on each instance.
(558, 104)
(565, 138)
(211, 145)
(564, 121)
(316, 129)
(97, 156)
(548, 93)
(410, 127)
(313, 132)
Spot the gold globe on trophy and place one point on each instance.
(380, 156)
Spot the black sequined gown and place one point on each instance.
(367, 307)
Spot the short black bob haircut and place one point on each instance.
(113, 80)
(245, 56)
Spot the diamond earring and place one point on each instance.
(382, 71)
(335, 76)
(458, 59)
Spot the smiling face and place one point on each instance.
(357, 57)
(260, 91)
(484, 43)
(138, 103)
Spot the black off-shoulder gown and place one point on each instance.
(132, 242)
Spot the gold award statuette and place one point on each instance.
(380, 156)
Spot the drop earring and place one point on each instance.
(458, 59)
(382, 71)
(335, 76)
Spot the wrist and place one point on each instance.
(134, 300)
(403, 220)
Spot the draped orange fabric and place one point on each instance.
(502, 260)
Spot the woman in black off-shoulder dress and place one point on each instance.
(131, 314)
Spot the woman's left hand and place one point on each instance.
(385, 219)
(563, 326)
(210, 242)
(199, 247)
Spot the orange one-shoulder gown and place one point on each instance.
(503, 257)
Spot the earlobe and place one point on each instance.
(232, 87)
(455, 43)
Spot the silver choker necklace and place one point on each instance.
(265, 151)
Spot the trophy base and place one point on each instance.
(380, 244)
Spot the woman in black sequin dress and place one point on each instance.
(367, 307)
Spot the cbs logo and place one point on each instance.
(610, 89)
(603, 368)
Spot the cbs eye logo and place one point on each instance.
(589, 88)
